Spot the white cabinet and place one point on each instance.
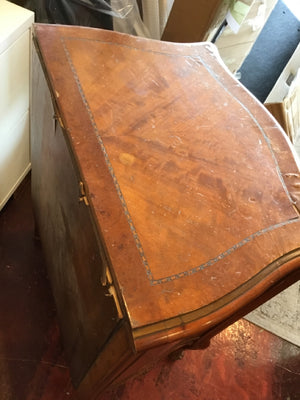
(15, 42)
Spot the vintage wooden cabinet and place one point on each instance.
(166, 197)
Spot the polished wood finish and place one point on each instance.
(32, 362)
(165, 195)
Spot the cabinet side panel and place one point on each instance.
(86, 310)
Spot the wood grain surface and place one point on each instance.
(192, 184)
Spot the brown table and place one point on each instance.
(165, 195)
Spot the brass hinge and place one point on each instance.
(82, 194)
(112, 292)
(58, 119)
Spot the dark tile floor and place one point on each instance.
(244, 362)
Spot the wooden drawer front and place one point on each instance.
(86, 309)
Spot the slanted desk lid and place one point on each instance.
(193, 184)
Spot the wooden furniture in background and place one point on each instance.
(165, 195)
(190, 20)
(15, 28)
